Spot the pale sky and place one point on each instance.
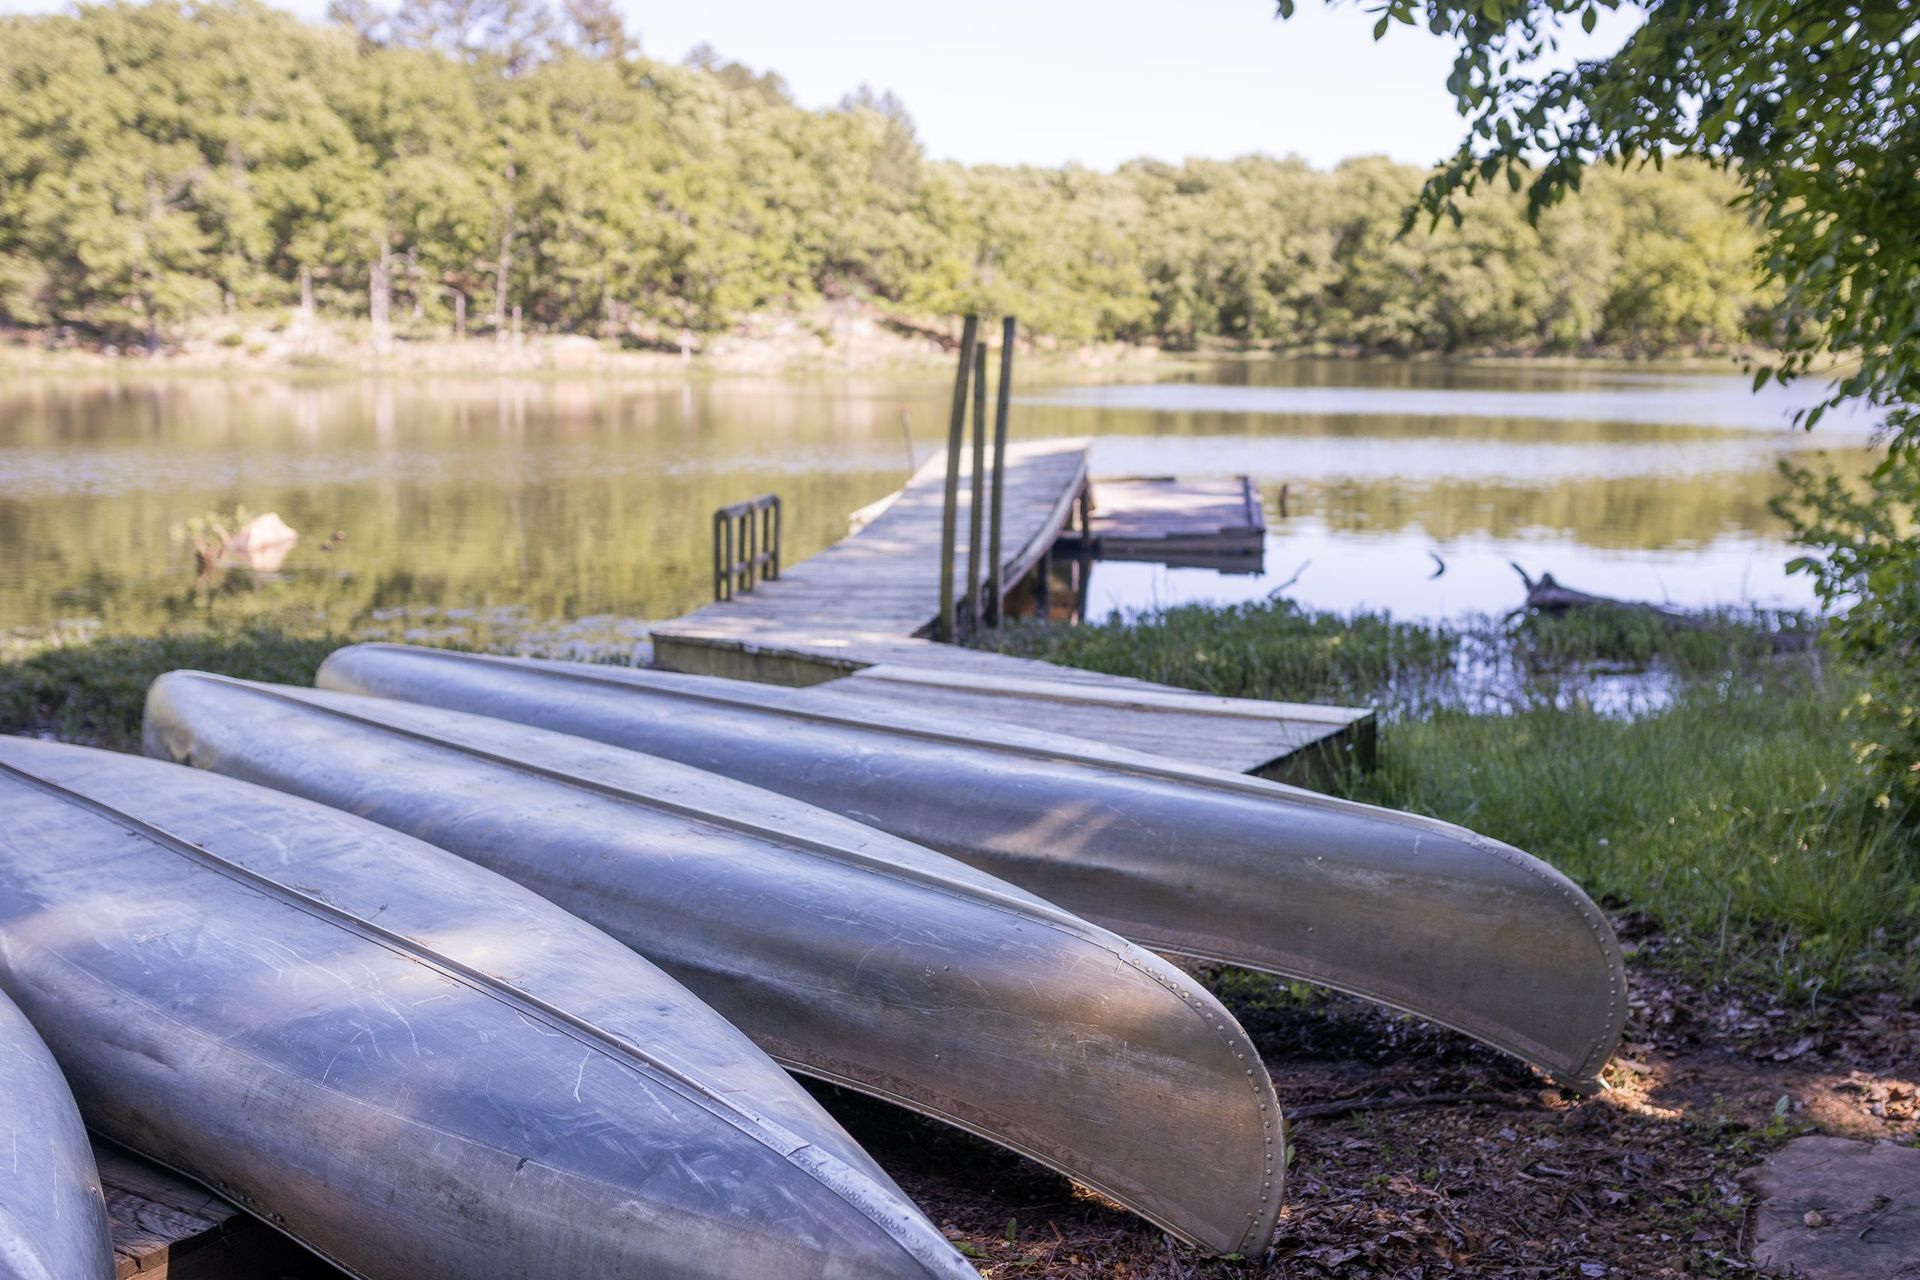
(1095, 82)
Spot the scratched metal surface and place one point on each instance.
(1415, 913)
(849, 954)
(412, 1065)
(53, 1217)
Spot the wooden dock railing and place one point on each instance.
(746, 545)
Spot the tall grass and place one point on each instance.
(1737, 639)
(94, 691)
(1725, 804)
(1274, 649)
(1263, 650)
(1732, 816)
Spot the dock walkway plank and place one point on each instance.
(886, 578)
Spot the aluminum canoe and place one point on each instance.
(417, 1068)
(53, 1216)
(1414, 913)
(848, 954)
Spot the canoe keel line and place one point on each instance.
(404, 1061)
(845, 953)
(1411, 912)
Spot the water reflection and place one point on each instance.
(1342, 569)
(1669, 401)
(537, 501)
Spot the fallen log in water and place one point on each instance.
(1544, 595)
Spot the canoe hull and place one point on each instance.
(53, 1217)
(1414, 913)
(402, 1060)
(849, 955)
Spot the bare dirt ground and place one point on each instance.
(1522, 1181)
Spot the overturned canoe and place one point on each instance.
(53, 1217)
(1414, 913)
(848, 954)
(414, 1066)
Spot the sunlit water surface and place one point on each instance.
(532, 504)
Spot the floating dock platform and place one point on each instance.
(1189, 524)
(860, 613)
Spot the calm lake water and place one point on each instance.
(532, 504)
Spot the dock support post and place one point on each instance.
(996, 590)
(956, 429)
(1086, 550)
(976, 508)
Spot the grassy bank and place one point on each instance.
(93, 691)
(1726, 817)
(1688, 777)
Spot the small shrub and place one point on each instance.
(1867, 571)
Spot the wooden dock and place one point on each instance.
(859, 613)
(885, 580)
(1292, 742)
(1186, 523)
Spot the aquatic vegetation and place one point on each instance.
(1271, 650)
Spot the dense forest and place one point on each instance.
(467, 165)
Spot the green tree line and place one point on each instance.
(471, 164)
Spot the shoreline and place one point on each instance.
(780, 345)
